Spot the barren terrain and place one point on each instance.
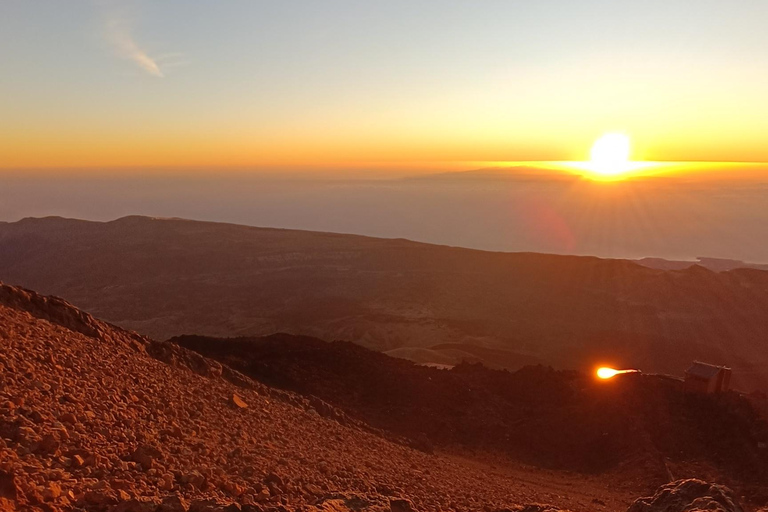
(165, 277)
(641, 427)
(92, 416)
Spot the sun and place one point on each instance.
(611, 161)
(610, 155)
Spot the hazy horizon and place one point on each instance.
(344, 117)
(667, 217)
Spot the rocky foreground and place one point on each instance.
(93, 417)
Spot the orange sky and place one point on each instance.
(132, 85)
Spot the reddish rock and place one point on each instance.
(688, 496)
(68, 417)
(194, 479)
(52, 491)
(238, 402)
(273, 478)
(146, 455)
(232, 488)
(400, 505)
(48, 444)
(136, 506)
(167, 482)
(262, 495)
(173, 504)
(98, 499)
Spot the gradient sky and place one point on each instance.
(339, 82)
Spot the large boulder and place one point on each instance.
(688, 496)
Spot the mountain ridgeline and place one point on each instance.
(537, 415)
(427, 303)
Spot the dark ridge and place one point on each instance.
(164, 278)
(53, 309)
(548, 418)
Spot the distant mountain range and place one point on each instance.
(715, 264)
(427, 303)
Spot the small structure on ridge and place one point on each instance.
(707, 378)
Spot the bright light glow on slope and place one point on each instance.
(608, 373)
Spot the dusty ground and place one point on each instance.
(88, 418)
(93, 417)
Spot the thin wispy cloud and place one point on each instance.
(118, 33)
(172, 60)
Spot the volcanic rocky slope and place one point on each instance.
(166, 277)
(540, 416)
(96, 418)
(93, 417)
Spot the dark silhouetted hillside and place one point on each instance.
(537, 415)
(166, 277)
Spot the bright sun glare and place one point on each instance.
(610, 160)
(610, 155)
